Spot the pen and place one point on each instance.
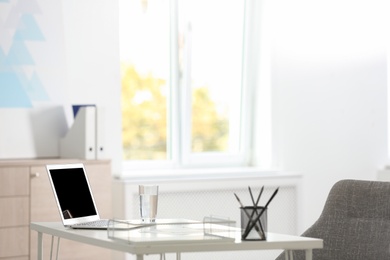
(255, 208)
(246, 213)
(258, 216)
(258, 197)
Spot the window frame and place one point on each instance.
(178, 146)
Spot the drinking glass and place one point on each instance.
(148, 195)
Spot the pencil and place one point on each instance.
(255, 209)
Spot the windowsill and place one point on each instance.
(232, 173)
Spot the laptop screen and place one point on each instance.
(72, 192)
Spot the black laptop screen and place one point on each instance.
(73, 193)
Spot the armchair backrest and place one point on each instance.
(354, 224)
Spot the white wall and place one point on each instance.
(329, 89)
(74, 50)
(32, 66)
(93, 69)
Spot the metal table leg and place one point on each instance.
(309, 254)
(288, 255)
(40, 246)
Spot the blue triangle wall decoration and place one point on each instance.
(28, 29)
(12, 92)
(19, 55)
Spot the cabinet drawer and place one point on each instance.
(14, 211)
(14, 241)
(14, 181)
(16, 258)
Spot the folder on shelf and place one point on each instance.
(86, 138)
(80, 140)
(100, 134)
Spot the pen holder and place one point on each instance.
(255, 229)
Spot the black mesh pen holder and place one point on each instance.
(253, 223)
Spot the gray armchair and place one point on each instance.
(354, 224)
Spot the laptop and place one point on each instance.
(74, 196)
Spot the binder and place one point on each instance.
(100, 134)
(80, 140)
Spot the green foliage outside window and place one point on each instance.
(144, 118)
(209, 129)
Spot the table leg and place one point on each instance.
(309, 254)
(51, 247)
(40, 246)
(140, 257)
(58, 247)
(288, 255)
(178, 256)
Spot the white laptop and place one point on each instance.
(74, 196)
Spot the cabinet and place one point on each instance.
(26, 196)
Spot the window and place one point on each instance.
(185, 99)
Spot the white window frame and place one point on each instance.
(179, 127)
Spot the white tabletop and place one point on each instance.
(100, 238)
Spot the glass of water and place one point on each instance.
(148, 197)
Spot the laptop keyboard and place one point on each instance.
(97, 223)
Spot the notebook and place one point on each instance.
(74, 197)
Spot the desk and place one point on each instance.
(99, 238)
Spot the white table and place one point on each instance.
(100, 238)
